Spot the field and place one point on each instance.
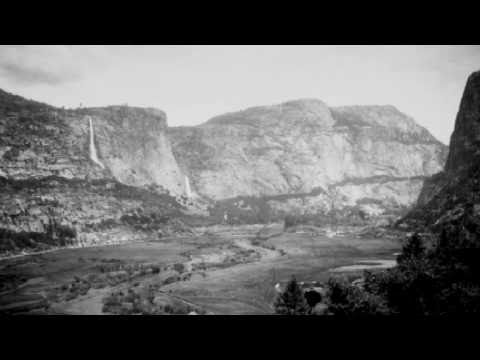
(221, 270)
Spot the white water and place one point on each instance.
(93, 150)
(366, 265)
(188, 190)
(331, 233)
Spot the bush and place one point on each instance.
(179, 267)
(345, 299)
(413, 249)
(290, 221)
(313, 298)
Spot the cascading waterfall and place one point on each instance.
(188, 190)
(93, 150)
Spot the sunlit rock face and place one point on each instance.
(133, 145)
(129, 144)
(446, 194)
(298, 147)
(38, 140)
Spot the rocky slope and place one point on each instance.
(50, 179)
(302, 156)
(445, 195)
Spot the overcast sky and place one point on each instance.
(194, 83)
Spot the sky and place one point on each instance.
(194, 83)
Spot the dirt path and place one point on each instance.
(265, 254)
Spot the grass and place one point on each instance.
(241, 286)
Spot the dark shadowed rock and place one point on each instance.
(446, 194)
(465, 140)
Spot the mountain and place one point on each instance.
(94, 174)
(39, 141)
(445, 195)
(305, 157)
(97, 175)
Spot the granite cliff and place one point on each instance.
(305, 157)
(38, 140)
(93, 174)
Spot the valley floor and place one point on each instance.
(222, 270)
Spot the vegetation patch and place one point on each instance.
(143, 302)
(434, 276)
(55, 235)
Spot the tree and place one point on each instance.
(292, 300)
(413, 249)
(442, 278)
(290, 221)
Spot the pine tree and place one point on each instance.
(413, 249)
(292, 300)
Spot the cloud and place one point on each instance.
(32, 75)
(50, 65)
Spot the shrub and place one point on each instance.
(413, 249)
(345, 299)
(313, 298)
(171, 280)
(290, 221)
(179, 267)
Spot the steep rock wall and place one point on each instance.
(300, 146)
(447, 194)
(55, 191)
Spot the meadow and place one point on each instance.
(219, 270)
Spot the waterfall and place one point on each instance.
(188, 190)
(93, 150)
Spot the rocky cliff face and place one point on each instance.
(39, 141)
(51, 180)
(465, 140)
(134, 147)
(96, 174)
(446, 194)
(370, 156)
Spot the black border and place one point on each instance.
(239, 24)
(229, 336)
